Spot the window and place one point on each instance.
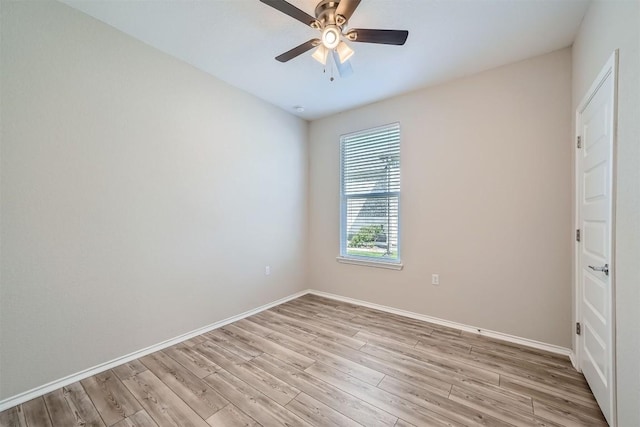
(370, 193)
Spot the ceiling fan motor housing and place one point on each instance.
(326, 14)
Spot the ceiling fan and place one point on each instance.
(332, 18)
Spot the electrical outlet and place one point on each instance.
(435, 279)
(267, 270)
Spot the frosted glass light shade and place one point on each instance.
(321, 54)
(344, 52)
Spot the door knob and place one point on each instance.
(604, 269)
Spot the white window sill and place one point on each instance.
(368, 263)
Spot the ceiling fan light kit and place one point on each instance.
(344, 52)
(321, 54)
(331, 19)
(331, 36)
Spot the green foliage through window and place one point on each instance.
(367, 236)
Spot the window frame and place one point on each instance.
(394, 264)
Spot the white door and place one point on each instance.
(595, 120)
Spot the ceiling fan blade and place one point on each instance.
(347, 7)
(363, 35)
(298, 50)
(344, 69)
(291, 10)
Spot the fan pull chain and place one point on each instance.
(324, 70)
(331, 79)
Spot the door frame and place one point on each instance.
(610, 68)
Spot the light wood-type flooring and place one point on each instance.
(317, 361)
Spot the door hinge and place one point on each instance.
(578, 328)
(578, 235)
(579, 142)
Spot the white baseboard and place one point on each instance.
(455, 325)
(574, 361)
(54, 385)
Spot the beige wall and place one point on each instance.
(141, 198)
(610, 25)
(486, 201)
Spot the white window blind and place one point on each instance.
(370, 193)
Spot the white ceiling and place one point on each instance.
(237, 40)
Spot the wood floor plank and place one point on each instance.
(110, 397)
(129, 369)
(363, 311)
(458, 366)
(230, 416)
(255, 328)
(384, 400)
(274, 388)
(323, 310)
(356, 409)
(317, 413)
(542, 359)
(482, 344)
(367, 333)
(533, 374)
(316, 353)
(81, 405)
(162, 404)
(269, 346)
(330, 302)
(320, 317)
(372, 337)
(199, 365)
(510, 398)
(403, 423)
(139, 419)
(58, 409)
(250, 401)
(308, 317)
(553, 397)
(478, 340)
(204, 400)
(390, 331)
(444, 347)
(318, 331)
(234, 345)
(429, 368)
(454, 343)
(565, 374)
(72, 406)
(13, 417)
(498, 408)
(446, 333)
(566, 418)
(429, 379)
(194, 341)
(36, 413)
(545, 392)
(402, 323)
(276, 324)
(335, 304)
(547, 381)
(451, 409)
